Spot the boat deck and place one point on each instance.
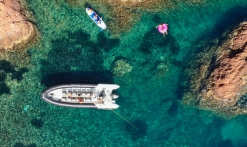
(82, 95)
(75, 95)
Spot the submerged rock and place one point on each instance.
(220, 84)
(121, 67)
(161, 69)
(15, 29)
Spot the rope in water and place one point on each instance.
(125, 119)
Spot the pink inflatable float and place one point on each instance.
(163, 28)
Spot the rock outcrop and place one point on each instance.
(221, 84)
(121, 67)
(15, 29)
(230, 72)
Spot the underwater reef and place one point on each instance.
(121, 67)
(121, 15)
(221, 84)
(16, 29)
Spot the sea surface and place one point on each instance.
(71, 48)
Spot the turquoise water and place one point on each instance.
(71, 48)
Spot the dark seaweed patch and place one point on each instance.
(154, 40)
(173, 110)
(174, 50)
(179, 64)
(18, 74)
(4, 89)
(181, 88)
(19, 145)
(156, 19)
(122, 100)
(140, 132)
(173, 46)
(6, 66)
(226, 143)
(2, 76)
(32, 145)
(145, 47)
(75, 58)
(105, 43)
(149, 41)
(38, 123)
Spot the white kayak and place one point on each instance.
(95, 18)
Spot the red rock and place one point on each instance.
(229, 76)
(14, 27)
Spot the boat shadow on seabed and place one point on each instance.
(77, 77)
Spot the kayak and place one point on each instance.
(96, 19)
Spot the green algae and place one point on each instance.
(38, 123)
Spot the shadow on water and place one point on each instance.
(77, 77)
(152, 40)
(74, 58)
(138, 133)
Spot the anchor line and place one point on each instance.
(125, 119)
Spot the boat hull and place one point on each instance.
(102, 25)
(97, 96)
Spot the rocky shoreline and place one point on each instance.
(221, 84)
(15, 28)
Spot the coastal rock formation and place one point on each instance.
(121, 67)
(222, 83)
(15, 29)
(230, 72)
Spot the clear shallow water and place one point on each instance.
(72, 49)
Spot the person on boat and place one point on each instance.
(95, 17)
(91, 12)
(163, 28)
(80, 100)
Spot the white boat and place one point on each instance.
(96, 19)
(97, 96)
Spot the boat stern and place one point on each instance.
(108, 106)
